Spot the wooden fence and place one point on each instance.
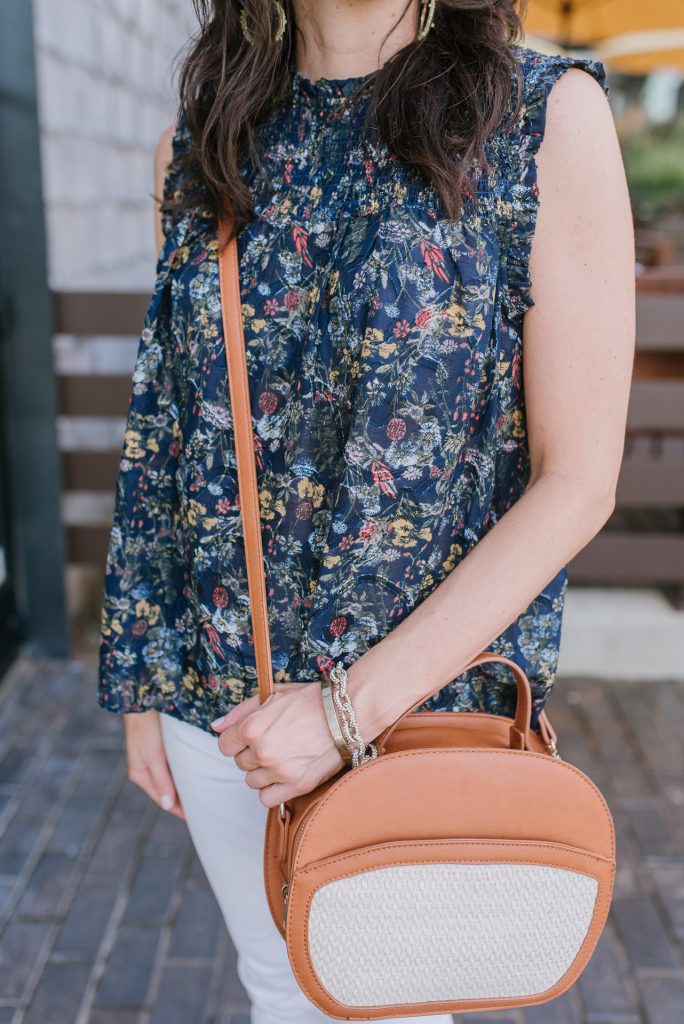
(643, 542)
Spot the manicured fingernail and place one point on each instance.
(217, 721)
(167, 802)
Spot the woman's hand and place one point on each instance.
(147, 764)
(284, 745)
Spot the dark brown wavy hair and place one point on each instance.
(433, 103)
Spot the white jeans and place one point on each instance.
(227, 821)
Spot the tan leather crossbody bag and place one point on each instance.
(467, 867)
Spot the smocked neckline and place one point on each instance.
(326, 93)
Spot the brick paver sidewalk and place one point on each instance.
(107, 917)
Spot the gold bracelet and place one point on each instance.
(333, 723)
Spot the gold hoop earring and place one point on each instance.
(282, 22)
(426, 16)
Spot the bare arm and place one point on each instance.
(579, 348)
(579, 344)
(162, 158)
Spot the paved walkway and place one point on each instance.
(107, 917)
(629, 633)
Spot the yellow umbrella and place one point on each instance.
(638, 53)
(584, 23)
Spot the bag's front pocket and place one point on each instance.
(444, 925)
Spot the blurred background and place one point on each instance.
(105, 916)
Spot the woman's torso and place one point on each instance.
(384, 345)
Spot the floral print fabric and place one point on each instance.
(384, 344)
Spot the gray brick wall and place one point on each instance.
(106, 92)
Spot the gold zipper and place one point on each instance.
(300, 828)
(285, 889)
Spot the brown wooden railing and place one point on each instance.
(643, 542)
(84, 314)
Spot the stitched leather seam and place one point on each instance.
(564, 765)
(246, 469)
(419, 845)
(266, 859)
(475, 715)
(442, 860)
(494, 1001)
(523, 707)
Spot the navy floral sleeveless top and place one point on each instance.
(384, 344)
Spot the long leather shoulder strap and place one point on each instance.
(238, 384)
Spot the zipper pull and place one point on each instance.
(285, 889)
(284, 817)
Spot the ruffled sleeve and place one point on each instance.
(520, 200)
(144, 614)
(176, 185)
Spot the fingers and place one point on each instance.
(260, 737)
(230, 726)
(236, 714)
(258, 775)
(259, 778)
(166, 797)
(140, 775)
(147, 764)
(247, 733)
(275, 794)
(246, 759)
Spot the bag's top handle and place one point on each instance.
(238, 384)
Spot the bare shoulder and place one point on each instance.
(582, 255)
(163, 150)
(580, 136)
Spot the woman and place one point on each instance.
(423, 487)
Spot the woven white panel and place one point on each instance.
(415, 933)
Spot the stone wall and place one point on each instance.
(106, 92)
